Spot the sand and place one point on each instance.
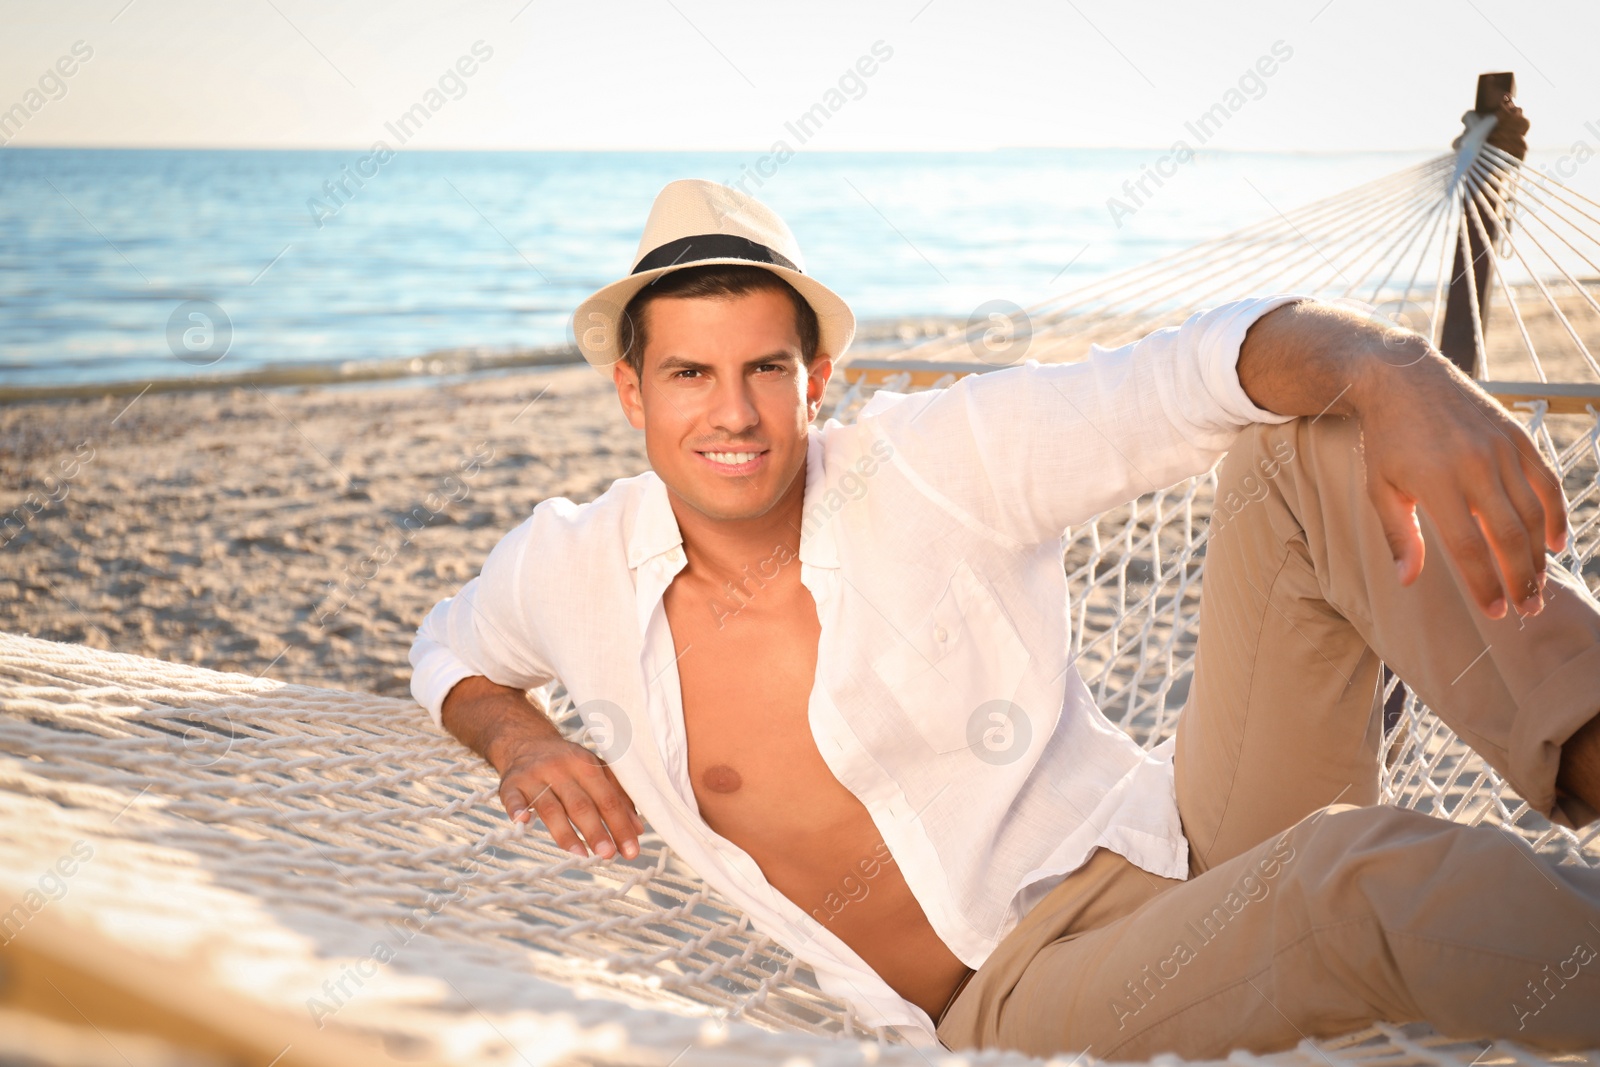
(300, 533)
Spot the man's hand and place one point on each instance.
(570, 788)
(1431, 439)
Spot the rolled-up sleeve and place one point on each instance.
(1217, 336)
(1032, 449)
(489, 628)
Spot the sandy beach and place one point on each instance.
(301, 533)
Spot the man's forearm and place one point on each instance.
(484, 716)
(1431, 441)
(1309, 358)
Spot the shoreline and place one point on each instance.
(447, 364)
(280, 375)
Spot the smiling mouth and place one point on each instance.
(734, 461)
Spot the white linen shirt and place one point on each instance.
(944, 698)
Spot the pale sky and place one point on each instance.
(726, 74)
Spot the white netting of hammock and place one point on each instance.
(293, 827)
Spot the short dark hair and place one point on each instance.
(714, 279)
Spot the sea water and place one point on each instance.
(336, 257)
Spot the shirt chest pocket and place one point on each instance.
(948, 671)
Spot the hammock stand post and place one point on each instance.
(1457, 337)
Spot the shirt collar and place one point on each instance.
(655, 528)
(818, 544)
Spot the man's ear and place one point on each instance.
(817, 376)
(629, 394)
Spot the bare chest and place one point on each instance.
(761, 783)
(746, 681)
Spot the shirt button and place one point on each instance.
(940, 634)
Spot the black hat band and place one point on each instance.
(703, 246)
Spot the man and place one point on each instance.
(800, 644)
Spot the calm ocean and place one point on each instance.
(450, 250)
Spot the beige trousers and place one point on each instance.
(1308, 912)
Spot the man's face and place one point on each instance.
(725, 400)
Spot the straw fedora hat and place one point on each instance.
(694, 223)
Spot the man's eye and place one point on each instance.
(681, 373)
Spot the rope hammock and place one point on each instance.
(266, 840)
